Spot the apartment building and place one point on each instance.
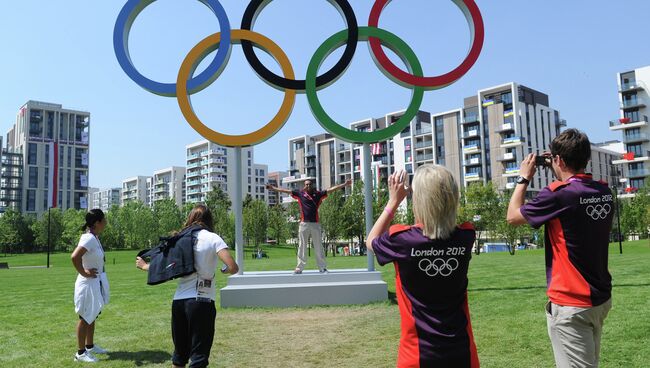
(46, 159)
(106, 198)
(275, 178)
(634, 99)
(210, 165)
(168, 183)
(137, 188)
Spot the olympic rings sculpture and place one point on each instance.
(188, 84)
(438, 266)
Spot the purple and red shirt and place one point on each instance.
(431, 287)
(578, 216)
(309, 203)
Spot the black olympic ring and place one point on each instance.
(255, 7)
(439, 266)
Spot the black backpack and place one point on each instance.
(173, 257)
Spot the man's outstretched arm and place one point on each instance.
(337, 187)
(281, 190)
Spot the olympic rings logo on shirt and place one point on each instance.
(598, 211)
(187, 83)
(438, 266)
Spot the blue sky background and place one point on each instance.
(61, 52)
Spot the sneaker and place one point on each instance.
(87, 357)
(297, 271)
(98, 350)
(324, 271)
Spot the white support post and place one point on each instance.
(367, 189)
(237, 208)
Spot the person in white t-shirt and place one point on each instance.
(91, 290)
(193, 309)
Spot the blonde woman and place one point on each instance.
(431, 259)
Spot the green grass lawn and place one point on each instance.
(506, 296)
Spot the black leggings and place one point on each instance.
(192, 331)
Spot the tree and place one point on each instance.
(168, 216)
(379, 201)
(511, 234)
(331, 218)
(12, 228)
(113, 235)
(354, 218)
(138, 225)
(73, 220)
(224, 222)
(256, 221)
(278, 226)
(478, 204)
(292, 217)
(49, 228)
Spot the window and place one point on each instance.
(33, 177)
(47, 155)
(31, 200)
(636, 183)
(49, 130)
(32, 150)
(636, 148)
(45, 199)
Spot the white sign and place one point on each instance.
(84, 137)
(83, 180)
(84, 159)
(83, 202)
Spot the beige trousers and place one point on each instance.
(305, 231)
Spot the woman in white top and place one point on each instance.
(193, 309)
(91, 290)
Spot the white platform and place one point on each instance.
(284, 289)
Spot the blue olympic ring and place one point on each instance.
(121, 45)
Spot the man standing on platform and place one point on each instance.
(309, 199)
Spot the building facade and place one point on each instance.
(53, 144)
(210, 165)
(106, 198)
(11, 176)
(168, 183)
(137, 188)
(634, 99)
(483, 141)
(275, 179)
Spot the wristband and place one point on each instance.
(389, 211)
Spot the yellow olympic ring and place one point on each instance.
(198, 53)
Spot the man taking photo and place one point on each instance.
(577, 212)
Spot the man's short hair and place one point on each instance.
(573, 147)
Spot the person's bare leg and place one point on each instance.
(82, 331)
(90, 335)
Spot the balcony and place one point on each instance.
(343, 147)
(510, 171)
(470, 119)
(191, 174)
(423, 144)
(211, 179)
(508, 156)
(214, 151)
(626, 123)
(423, 131)
(511, 185)
(471, 148)
(632, 104)
(632, 138)
(473, 161)
(193, 182)
(512, 141)
(194, 156)
(470, 133)
(506, 128)
(217, 170)
(630, 157)
(631, 86)
(640, 173)
(472, 176)
(160, 189)
(310, 153)
(427, 157)
(561, 122)
(193, 191)
(213, 161)
(193, 165)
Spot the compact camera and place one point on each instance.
(544, 161)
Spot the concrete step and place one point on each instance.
(284, 289)
(303, 294)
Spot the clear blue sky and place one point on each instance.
(61, 52)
